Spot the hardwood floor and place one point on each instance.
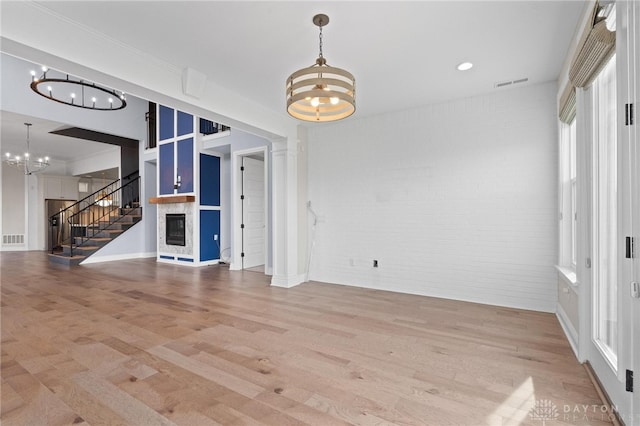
(143, 343)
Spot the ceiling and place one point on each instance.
(13, 134)
(403, 53)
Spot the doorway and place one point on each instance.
(251, 233)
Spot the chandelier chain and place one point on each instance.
(28, 127)
(321, 42)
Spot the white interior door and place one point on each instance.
(253, 212)
(611, 336)
(633, 25)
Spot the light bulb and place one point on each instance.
(46, 159)
(39, 160)
(93, 99)
(17, 158)
(26, 155)
(73, 96)
(315, 102)
(49, 88)
(33, 73)
(8, 155)
(110, 100)
(44, 69)
(334, 101)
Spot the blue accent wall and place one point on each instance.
(209, 226)
(209, 180)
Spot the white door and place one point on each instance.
(633, 12)
(608, 352)
(616, 311)
(253, 212)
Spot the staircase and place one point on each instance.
(96, 220)
(97, 235)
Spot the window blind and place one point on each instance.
(567, 107)
(597, 47)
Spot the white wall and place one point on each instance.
(455, 200)
(129, 245)
(109, 158)
(13, 206)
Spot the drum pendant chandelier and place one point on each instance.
(321, 92)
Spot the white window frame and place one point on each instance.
(606, 312)
(568, 196)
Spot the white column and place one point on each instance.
(284, 211)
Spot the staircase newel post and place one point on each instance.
(51, 229)
(72, 239)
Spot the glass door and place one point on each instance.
(632, 18)
(605, 216)
(610, 347)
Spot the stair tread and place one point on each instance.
(59, 255)
(82, 247)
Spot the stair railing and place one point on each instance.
(86, 217)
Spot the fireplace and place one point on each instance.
(175, 229)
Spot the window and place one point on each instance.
(573, 214)
(605, 201)
(568, 189)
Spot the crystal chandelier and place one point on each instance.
(27, 163)
(321, 92)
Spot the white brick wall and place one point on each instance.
(455, 200)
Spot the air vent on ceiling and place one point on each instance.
(510, 82)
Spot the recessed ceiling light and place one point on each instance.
(465, 66)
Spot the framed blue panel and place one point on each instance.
(166, 123)
(185, 123)
(209, 180)
(166, 169)
(209, 228)
(185, 165)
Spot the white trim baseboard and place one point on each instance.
(569, 329)
(116, 257)
(287, 281)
